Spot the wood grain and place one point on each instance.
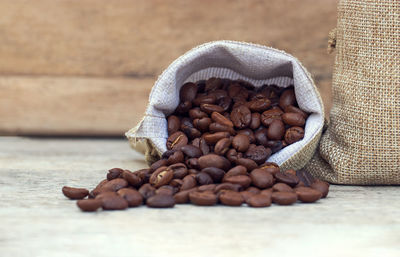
(71, 105)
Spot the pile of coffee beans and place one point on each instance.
(220, 136)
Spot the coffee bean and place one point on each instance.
(266, 192)
(89, 205)
(260, 200)
(259, 154)
(114, 185)
(237, 170)
(212, 139)
(246, 195)
(255, 120)
(206, 198)
(132, 196)
(322, 187)
(231, 198)
(217, 127)
(248, 163)
(188, 92)
(143, 174)
(177, 183)
(282, 187)
(158, 164)
(276, 130)
(202, 124)
(241, 143)
(161, 201)
(209, 187)
(269, 116)
(228, 186)
(204, 99)
(293, 119)
(259, 105)
(288, 179)
(219, 93)
(114, 173)
(254, 190)
(96, 190)
(176, 157)
(75, 193)
(213, 160)
(196, 113)
(307, 194)
(174, 124)
(203, 178)
(177, 140)
(287, 98)
(147, 191)
(261, 178)
(293, 109)
(215, 173)
(188, 182)
(271, 167)
(294, 134)
(162, 176)
(249, 133)
(183, 196)
(275, 146)
(242, 180)
(132, 178)
(114, 202)
(191, 151)
(179, 170)
(261, 136)
(166, 189)
(241, 117)
(284, 198)
(221, 119)
(210, 108)
(222, 146)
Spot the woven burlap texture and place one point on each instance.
(362, 143)
(233, 60)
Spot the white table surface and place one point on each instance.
(37, 220)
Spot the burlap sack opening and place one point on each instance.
(234, 60)
(362, 143)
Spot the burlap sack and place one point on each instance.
(234, 60)
(362, 143)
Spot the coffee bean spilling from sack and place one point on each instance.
(220, 136)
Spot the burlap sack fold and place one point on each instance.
(362, 143)
(233, 60)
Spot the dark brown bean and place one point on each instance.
(132, 196)
(213, 160)
(162, 176)
(271, 167)
(216, 127)
(242, 180)
(147, 191)
(183, 107)
(248, 163)
(307, 194)
(188, 182)
(167, 190)
(233, 155)
(240, 143)
(210, 108)
(287, 98)
(286, 178)
(203, 178)
(215, 173)
(204, 99)
(161, 201)
(221, 119)
(275, 146)
(176, 157)
(255, 120)
(254, 190)
(114, 202)
(284, 198)
(259, 104)
(246, 195)
(193, 163)
(179, 170)
(261, 178)
(96, 190)
(188, 92)
(260, 200)
(276, 130)
(174, 123)
(89, 205)
(212, 139)
(132, 178)
(249, 133)
(228, 186)
(206, 198)
(241, 117)
(114, 173)
(291, 108)
(222, 146)
(261, 136)
(183, 196)
(196, 113)
(202, 124)
(209, 187)
(75, 193)
(322, 187)
(177, 140)
(237, 170)
(294, 134)
(259, 154)
(282, 187)
(191, 151)
(114, 185)
(231, 198)
(293, 119)
(269, 116)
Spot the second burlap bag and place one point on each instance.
(362, 143)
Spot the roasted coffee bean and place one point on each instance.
(259, 104)
(176, 157)
(114, 173)
(202, 124)
(246, 195)
(287, 98)
(191, 151)
(183, 196)
(284, 198)
(179, 170)
(213, 160)
(293, 109)
(276, 130)
(269, 116)
(222, 146)
(271, 167)
(261, 178)
(275, 146)
(204, 99)
(266, 192)
(249, 133)
(89, 205)
(225, 103)
(158, 164)
(240, 143)
(193, 171)
(193, 163)
(307, 194)
(147, 191)
(237, 170)
(212, 139)
(132, 196)
(219, 93)
(261, 136)
(282, 187)
(114, 202)
(210, 108)
(188, 92)
(255, 120)
(241, 117)
(114, 185)
(167, 190)
(177, 183)
(213, 84)
(289, 179)
(260, 200)
(183, 107)
(177, 140)
(322, 187)
(228, 186)
(209, 187)
(215, 173)
(293, 119)
(217, 127)
(290, 171)
(231, 198)
(162, 176)
(144, 175)
(254, 190)
(174, 123)
(221, 119)
(96, 190)
(161, 201)
(236, 91)
(196, 113)
(258, 154)
(191, 133)
(294, 134)
(188, 182)
(133, 179)
(248, 163)
(203, 178)
(75, 193)
(206, 198)
(242, 180)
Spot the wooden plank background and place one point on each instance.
(86, 67)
